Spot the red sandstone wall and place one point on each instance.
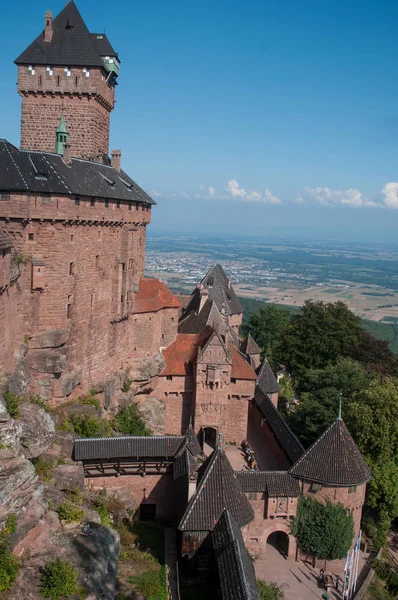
(146, 336)
(152, 489)
(85, 101)
(235, 321)
(176, 394)
(11, 322)
(257, 532)
(169, 325)
(261, 436)
(84, 269)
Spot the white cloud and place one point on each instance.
(389, 195)
(328, 197)
(155, 194)
(234, 190)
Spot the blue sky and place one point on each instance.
(250, 117)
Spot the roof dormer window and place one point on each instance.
(31, 70)
(68, 71)
(86, 72)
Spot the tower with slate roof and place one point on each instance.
(67, 70)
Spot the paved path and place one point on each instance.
(170, 558)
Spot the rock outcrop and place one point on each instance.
(147, 367)
(21, 493)
(10, 432)
(152, 412)
(37, 430)
(68, 477)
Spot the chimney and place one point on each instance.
(116, 156)
(229, 283)
(204, 295)
(67, 154)
(48, 26)
(192, 485)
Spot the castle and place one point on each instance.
(77, 313)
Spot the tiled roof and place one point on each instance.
(153, 295)
(180, 352)
(249, 346)
(283, 434)
(266, 379)
(274, 483)
(192, 441)
(44, 172)
(220, 291)
(334, 459)
(165, 446)
(240, 367)
(237, 579)
(217, 490)
(71, 45)
(5, 241)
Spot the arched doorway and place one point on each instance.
(209, 439)
(280, 541)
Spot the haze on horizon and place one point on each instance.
(256, 118)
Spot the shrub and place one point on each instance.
(9, 565)
(152, 584)
(90, 399)
(69, 512)
(129, 421)
(40, 402)
(104, 516)
(59, 579)
(12, 403)
(127, 385)
(43, 468)
(88, 426)
(269, 591)
(11, 524)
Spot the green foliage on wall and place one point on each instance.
(323, 530)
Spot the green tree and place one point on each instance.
(376, 355)
(269, 591)
(320, 397)
(265, 326)
(372, 419)
(129, 421)
(317, 337)
(323, 530)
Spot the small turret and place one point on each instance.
(61, 136)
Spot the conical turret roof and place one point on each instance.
(334, 459)
(62, 125)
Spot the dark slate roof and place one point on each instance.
(283, 434)
(334, 459)
(184, 464)
(249, 346)
(216, 282)
(266, 379)
(44, 172)
(103, 45)
(71, 45)
(192, 441)
(128, 447)
(237, 579)
(217, 490)
(194, 322)
(274, 483)
(5, 241)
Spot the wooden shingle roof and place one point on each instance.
(237, 579)
(333, 459)
(274, 483)
(218, 489)
(135, 447)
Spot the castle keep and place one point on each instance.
(77, 314)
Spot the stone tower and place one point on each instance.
(67, 71)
